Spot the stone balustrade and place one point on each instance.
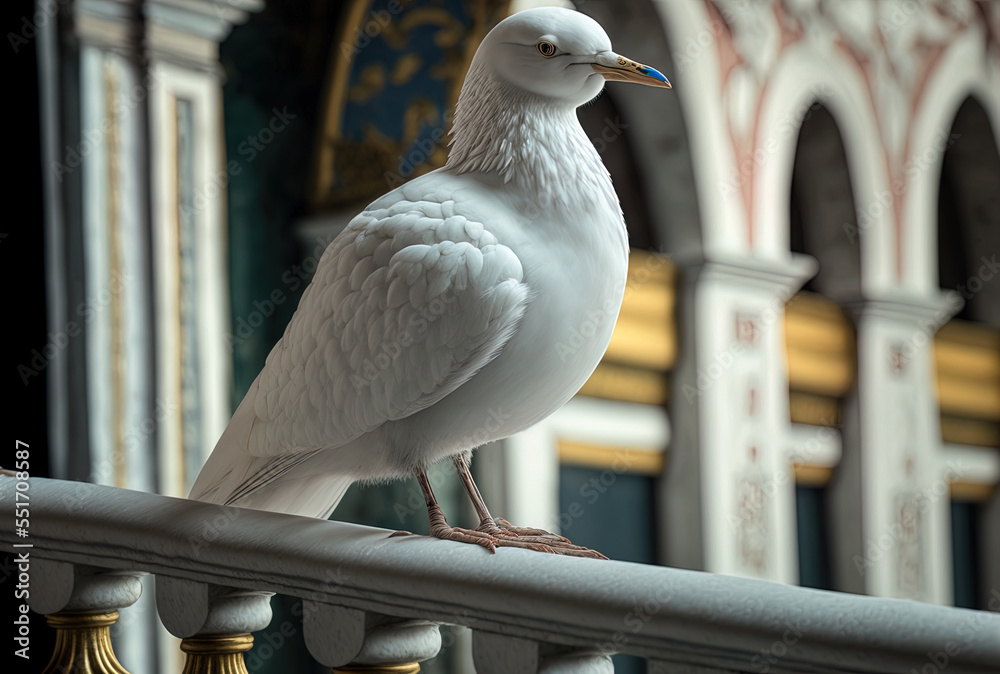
(373, 603)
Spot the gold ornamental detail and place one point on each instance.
(83, 643)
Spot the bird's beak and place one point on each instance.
(616, 67)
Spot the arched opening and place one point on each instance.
(969, 215)
(819, 336)
(822, 209)
(967, 349)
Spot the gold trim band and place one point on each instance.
(635, 461)
(217, 644)
(977, 492)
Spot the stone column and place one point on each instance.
(728, 495)
(891, 530)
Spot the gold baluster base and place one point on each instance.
(83, 643)
(407, 668)
(216, 654)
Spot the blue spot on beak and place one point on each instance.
(654, 73)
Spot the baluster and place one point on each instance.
(81, 603)
(351, 640)
(213, 622)
(496, 653)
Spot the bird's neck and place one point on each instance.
(535, 143)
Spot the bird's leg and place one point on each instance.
(494, 526)
(508, 535)
(439, 527)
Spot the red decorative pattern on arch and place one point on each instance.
(895, 51)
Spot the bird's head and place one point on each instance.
(560, 54)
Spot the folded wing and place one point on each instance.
(407, 304)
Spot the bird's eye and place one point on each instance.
(546, 48)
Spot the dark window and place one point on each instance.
(965, 554)
(614, 514)
(814, 551)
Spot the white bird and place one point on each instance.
(443, 317)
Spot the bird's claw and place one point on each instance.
(450, 533)
(509, 536)
(499, 533)
(504, 525)
(549, 546)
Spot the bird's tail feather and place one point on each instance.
(230, 461)
(310, 495)
(232, 476)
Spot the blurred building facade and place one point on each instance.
(804, 382)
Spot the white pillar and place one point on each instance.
(728, 493)
(892, 535)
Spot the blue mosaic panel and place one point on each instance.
(405, 65)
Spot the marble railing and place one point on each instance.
(373, 603)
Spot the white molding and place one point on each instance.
(610, 422)
(814, 445)
(979, 465)
(212, 312)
